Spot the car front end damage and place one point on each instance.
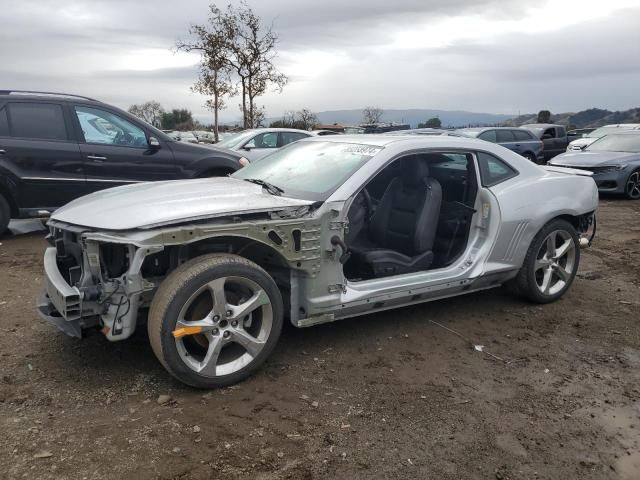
(105, 279)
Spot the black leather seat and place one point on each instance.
(403, 227)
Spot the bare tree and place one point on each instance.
(213, 42)
(308, 120)
(151, 112)
(371, 114)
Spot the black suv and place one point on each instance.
(57, 147)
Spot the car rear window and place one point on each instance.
(493, 170)
(43, 121)
(522, 135)
(489, 136)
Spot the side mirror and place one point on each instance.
(247, 148)
(154, 143)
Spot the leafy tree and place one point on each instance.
(372, 114)
(544, 116)
(237, 44)
(151, 112)
(303, 119)
(178, 119)
(431, 123)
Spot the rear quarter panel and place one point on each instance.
(527, 203)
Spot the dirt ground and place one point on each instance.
(389, 395)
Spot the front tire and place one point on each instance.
(632, 186)
(530, 156)
(550, 265)
(5, 214)
(215, 320)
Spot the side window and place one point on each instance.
(561, 132)
(489, 136)
(4, 123)
(42, 121)
(264, 140)
(493, 170)
(522, 136)
(549, 133)
(504, 136)
(290, 137)
(105, 128)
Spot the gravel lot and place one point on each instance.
(391, 395)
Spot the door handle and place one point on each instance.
(96, 158)
(518, 145)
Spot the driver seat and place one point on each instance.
(403, 228)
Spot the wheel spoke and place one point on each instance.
(216, 287)
(564, 248)
(540, 263)
(551, 245)
(206, 324)
(562, 273)
(258, 299)
(252, 345)
(210, 360)
(546, 281)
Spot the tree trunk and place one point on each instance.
(215, 120)
(244, 103)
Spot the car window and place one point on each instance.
(493, 170)
(522, 136)
(4, 123)
(264, 140)
(503, 136)
(561, 132)
(290, 137)
(44, 121)
(551, 132)
(103, 127)
(489, 136)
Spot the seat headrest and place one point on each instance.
(414, 171)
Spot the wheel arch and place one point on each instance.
(262, 254)
(6, 193)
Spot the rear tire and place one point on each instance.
(530, 156)
(550, 265)
(238, 308)
(5, 214)
(632, 186)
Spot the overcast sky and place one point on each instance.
(497, 56)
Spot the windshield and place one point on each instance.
(617, 143)
(235, 139)
(310, 170)
(602, 131)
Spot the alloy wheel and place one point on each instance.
(555, 262)
(223, 326)
(632, 188)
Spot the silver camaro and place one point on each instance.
(324, 229)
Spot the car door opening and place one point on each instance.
(414, 215)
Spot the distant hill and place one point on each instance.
(449, 118)
(592, 117)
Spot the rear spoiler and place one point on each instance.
(568, 171)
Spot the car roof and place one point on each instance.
(40, 96)
(541, 125)
(268, 129)
(381, 140)
(481, 129)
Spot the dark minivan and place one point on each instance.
(517, 139)
(57, 147)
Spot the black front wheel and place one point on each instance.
(632, 186)
(5, 214)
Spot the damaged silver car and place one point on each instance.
(324, 229)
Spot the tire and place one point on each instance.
(530, 156)
(5, 214)
(632, 186)
(236, 339)
(545, 277)
(216, 172)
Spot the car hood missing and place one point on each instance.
(152, 204)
